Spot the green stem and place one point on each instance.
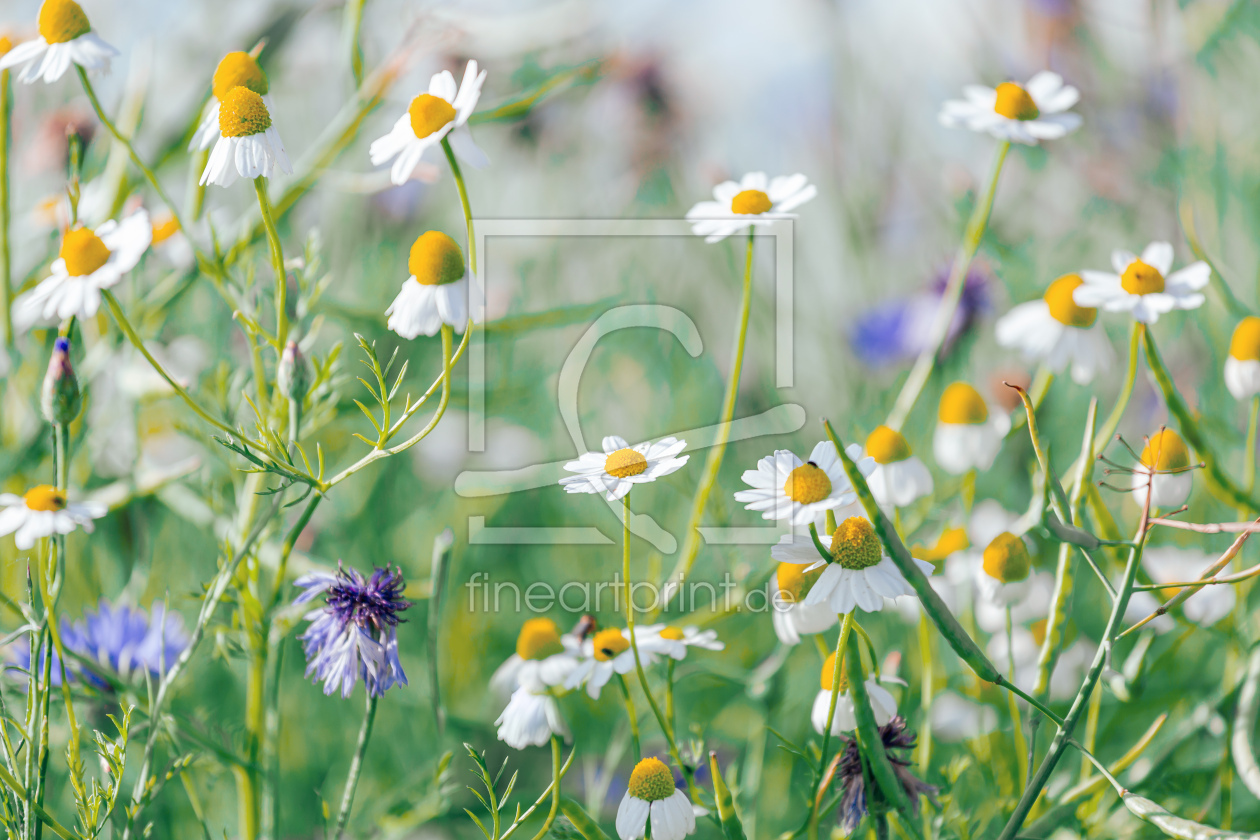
(277, 263)
(6, 262)
(356, 766)
(1249, 453)
(556, 776)
(669, 696)
(925, 733)
(1112, 422)
(463, 203)
(1020, 744)
(635, 741)
(354, 15)
(48, 819)
(846, 627)
(248, 777)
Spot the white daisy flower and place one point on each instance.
(237, 69)
(1165, 465)
(1058, 332)
(1242, 366)
(1168, 564)
(991, 615)
(43, 511)
(90, 260)
(899, 476)
(792, 619)
(532, 716)
(608, 652)
(249, 145)
(751, 201)
(1003, 575)
(543, 657)
(436, 293)
(652, 792)
(429, 119)
(674, 641)
(967, 437)
(1143, 286)
(956, 718)
(170, 241)
(1024, 114)
(859, 574)
(65, 38)
(621, 466)
(1074, 659)
(883, 704)
(785, 488)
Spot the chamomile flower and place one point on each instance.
(436, 293)
(170, 242)
(653, 793)
(236, 69)
(967, 437)
(621, 466)
(43, 511)
(785, 488)
(1143, 286)
(90, 260)
(883, 704)
(1057, 332)
(899, 476)
(65, 38)
(674, 641)
(1024, 648)
(754, 200)
(1242, 366)
(248, 145)
(1002, 577)
(859, 573)
(1027, 113)
(442, 113)
(543, 657)
(788, 587)
(531, 717)
(1168, 564)
(1164, 465)
(608, 652)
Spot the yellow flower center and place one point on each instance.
(429, 113)
(950, 541)
(962, 404)
(61, 21)
(673, 633)
(624, 463)
(1166, 451)
(807, 484)
(1063, 307)
(1142, 279)
(242, 113)
(1245, 343)
(608, 643)
(854, 545)
(6, 44)
(828, 675)
(651, 781)
(435, 259)
(164, 228)
(750, 203)
(238, 69)
(83, 251)
(1006, 559)
(887, 445)
(1039, 631)
(1013, 102)
(539, 639)
(794, 582)
(45, 497)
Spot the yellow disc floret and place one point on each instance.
(828, 675)
(428, 114)
(239, 69)
(539, 639)
(83, 251)
(1245, 343)
(164, 228)
(62, 20)
(624, 463)
(750, 203)
(1142, 279)
(1013, 102)
(45, 497)
(674, 634)
(435, 259)
(887, 445)
(608, 643)
(651, 781)
(1166, 451)
(1006, 559)
(807, 484)
(1063, 307)
(1038, 629)
(962, 404)
(951, 540)
(854, 545)
(794, 582)
(6, 44)
(242, 113)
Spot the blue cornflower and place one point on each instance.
(896, 331)
(354, 634)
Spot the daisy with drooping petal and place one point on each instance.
(754, 200)
(90, 260)
(674, 641)
(236, 69)
(543, 657)
(1024, 114)
(785, 488)
(883, 704)
(899, 476)
(1242, 366)
(532, 716)
(1164, 465)
(621, 466)
(1143, 286)
(787, 589)
(436, 293)
(440, 114)
(1057, 332)
(1002, 577)
(65, 38)
(608, 652)
(43, 511)
(653, 793)
(249, 145)
(967, 437)
(859, 573)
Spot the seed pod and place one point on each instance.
(60, 398)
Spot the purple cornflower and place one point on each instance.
(354, 634)
(853, 804)
(896, 331)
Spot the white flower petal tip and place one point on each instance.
(438, 115)
(752, 201)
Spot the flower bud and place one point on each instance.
(60, 399)
(291, 375)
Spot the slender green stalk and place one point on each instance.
(356, 766)
(269, 763)
(438, 568)
(249, 777)
(954, 286)
(6, 261)
(556, 775)
(277, 263)
(1249, 453)
(354, 20)
(463, 203)
(1017, 730)
(48, 819)
(925, 702)
(1112, 422)
(846, 627)
(635, 741)
(669, 696)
